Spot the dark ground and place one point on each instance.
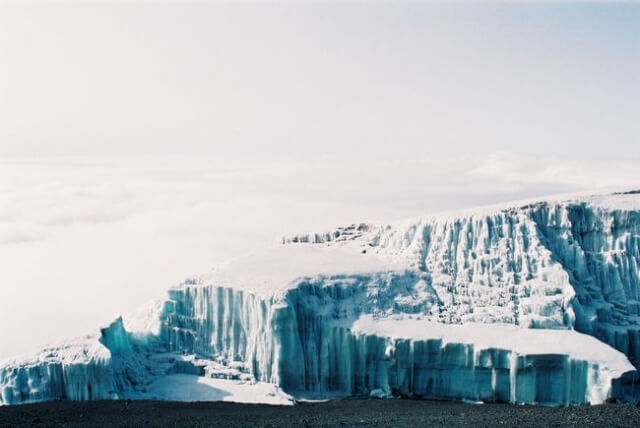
(334, 413)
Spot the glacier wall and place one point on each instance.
(307, 349)
(545, 265)
(490, 268)
(549, 266)
(229, 324)
(271, 337)
(600, 252)
(92, 368)
(359, 364)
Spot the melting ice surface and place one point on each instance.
(530, 303)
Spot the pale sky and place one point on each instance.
(144, 142)
(302, 79)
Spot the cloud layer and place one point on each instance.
(82, 240)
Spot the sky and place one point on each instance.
(144, 142)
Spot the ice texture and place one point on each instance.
(95, 367)
(532, 302)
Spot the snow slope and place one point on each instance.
(532, 302)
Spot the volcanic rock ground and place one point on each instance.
(341, 413)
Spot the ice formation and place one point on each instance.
(528, 303)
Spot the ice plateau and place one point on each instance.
(535, 302)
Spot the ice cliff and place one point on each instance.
(524, 303)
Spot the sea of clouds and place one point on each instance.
(85, 239)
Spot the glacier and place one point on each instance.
(534, 302)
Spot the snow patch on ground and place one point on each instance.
(184, 387)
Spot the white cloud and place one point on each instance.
(15, 235)
(82, 240)
(582, 174)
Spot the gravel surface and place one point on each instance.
(354, 412)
